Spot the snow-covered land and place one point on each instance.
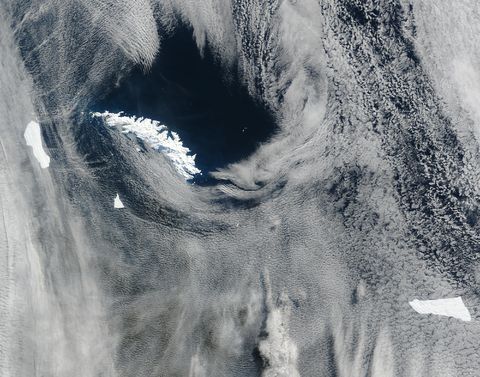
(33, 138)
(450, 307)
(157, 136)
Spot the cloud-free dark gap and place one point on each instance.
(215, 117)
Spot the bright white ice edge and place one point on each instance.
(156, 136)
(117, 203)
(33, 137)
(450, 307)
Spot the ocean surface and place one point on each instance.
(206, 104)
(239, 188)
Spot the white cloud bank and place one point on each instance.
(157, 137)
(278, 349)
(450, 307)
(33, 138)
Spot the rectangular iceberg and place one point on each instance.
(450, 307)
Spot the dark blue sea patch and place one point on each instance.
(207, 105)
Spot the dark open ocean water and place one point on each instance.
(188, 91)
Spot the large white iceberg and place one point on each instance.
(450, 307)
(157, 136)
(33, 137)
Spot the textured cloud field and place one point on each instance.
(345, 245)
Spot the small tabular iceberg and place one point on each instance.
(117, 203)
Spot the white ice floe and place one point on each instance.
(450, 307)
(33, 137)
(156, 136)
(117, 203)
